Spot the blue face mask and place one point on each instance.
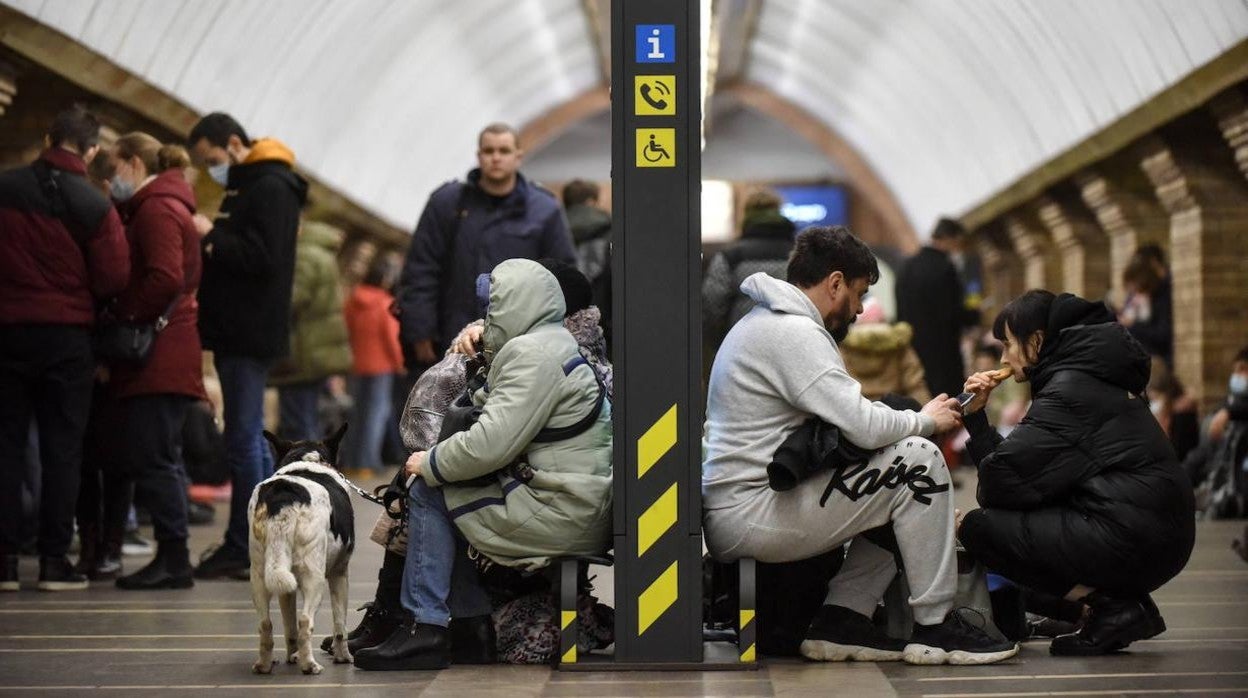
(1238, 385)
(120, 189)
(220, 173)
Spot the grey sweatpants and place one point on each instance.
(906, 484)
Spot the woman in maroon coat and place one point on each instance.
(156, 204)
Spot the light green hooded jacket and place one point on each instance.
(537, 379)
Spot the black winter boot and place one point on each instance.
(170, 569)
(412, 646)
(1112, 625)
(473, 641)
(378, 624)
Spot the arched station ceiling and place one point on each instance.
(947, 101)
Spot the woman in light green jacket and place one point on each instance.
(466, 493)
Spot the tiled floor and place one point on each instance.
(202, 642)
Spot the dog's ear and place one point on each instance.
(332, 442)
(280, 446)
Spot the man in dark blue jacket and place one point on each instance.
(467, 229)
(244, 301)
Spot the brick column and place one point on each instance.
(1081, 246)
(1204, 192)
(1231, 110)
(1125, 207)
(1041, 265)
(8, 86)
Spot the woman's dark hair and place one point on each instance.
(1025, 315)
(217, 128)
(577, 293)
(1141, 274)
(821, 250)
(76, 127)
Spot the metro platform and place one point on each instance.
(202, 641)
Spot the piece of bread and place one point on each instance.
(1002, 373)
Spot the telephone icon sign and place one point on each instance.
(655, 95)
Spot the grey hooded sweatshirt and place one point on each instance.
(776, 368)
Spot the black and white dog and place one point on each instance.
(302, 535)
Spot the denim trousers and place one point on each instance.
(369, 416)
(298, 418)
(439, 581)
(250, 458)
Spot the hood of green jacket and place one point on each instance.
(321, 235)
(523, 295)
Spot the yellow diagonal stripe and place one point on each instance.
(657, 598)
(657, 440)
(748, 654)
(656, 520)
(569, 657)
(747, 615)
(568, 617)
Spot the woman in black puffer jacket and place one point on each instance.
(1085, 498)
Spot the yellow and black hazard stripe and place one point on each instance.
(747, 628)
(659, 517)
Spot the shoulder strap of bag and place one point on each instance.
(50, 185)
(552, 434)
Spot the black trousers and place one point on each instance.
(154, 460)
(45, 375)
(105, 491)
(1024, 547)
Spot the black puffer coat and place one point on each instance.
(1089, 452)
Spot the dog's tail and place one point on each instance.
(277, 574)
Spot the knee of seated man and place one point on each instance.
(975, 530)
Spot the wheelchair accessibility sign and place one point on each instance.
(656, 147)
(654, 95)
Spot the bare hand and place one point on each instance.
(1217, 425)
(415, 463)
(982, 384)
(469, 340)
(425, 353)
(202, 224)
(945, 411)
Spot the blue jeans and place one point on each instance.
(439, 581)
(298, 418)
(249, 455)
(369, 416)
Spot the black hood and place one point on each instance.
(587, 222)
(1082, 336)
(769, 225)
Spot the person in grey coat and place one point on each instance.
(506, 486)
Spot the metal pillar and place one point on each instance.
(656, 199)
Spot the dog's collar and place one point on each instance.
(326, 470)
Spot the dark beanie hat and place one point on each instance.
(577, 294)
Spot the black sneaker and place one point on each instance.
(56, 574)
(199, 514)
(838, 634)
(9, 581)
(223, 562)
(1042, 627)
(955, 640)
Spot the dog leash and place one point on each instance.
(359, 490)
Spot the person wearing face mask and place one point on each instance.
(157, 205)
(245, 301)
(1220, 463)
(62, 251)
(1084, 500)
(759, 396)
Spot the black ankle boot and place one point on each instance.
(378, 624)
(1112, 625)
(411, 646)
(472, 641)
(170, 569)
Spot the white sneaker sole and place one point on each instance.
(10, 586)
(824, 651)
(926, 654)
(64, 586)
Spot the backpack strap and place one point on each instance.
(552, 434)
(53, 189)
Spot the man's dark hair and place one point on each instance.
(217, 128)
(75, 127)
(947, 229)
(577, 293)
(821, 250)
(1242, 355)
(1151, 252)
(1025, 315)
(578, 191)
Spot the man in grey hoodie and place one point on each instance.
(778, 367)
